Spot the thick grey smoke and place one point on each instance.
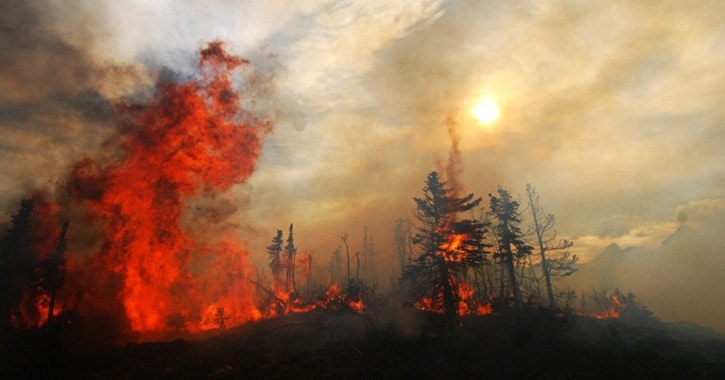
(613, 111)
(54, 101)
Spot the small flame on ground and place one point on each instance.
(616, 306)
(468, 304)
(332, 299)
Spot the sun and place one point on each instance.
(486, 110)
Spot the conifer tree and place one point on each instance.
(275, 260)
(446, 246)
(511, 246)
(290, 251)
(15, 262)
(53, 269)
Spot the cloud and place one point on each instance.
(705, 215)
(618, 225)
(701, 211)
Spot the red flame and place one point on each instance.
(153, 270)
(451, 251)
(333, 299)
(614, 311)
(193, 139)
(468, 303)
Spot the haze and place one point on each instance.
(612, 110)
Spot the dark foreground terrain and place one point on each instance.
(530, 343)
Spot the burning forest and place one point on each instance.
(191, 215)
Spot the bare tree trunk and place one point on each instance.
(502, 282)
(347, 252)
(372, 276)
(523, 280)
(294, 285)
(309, 275)
(512, 279)
(536, 281)
(364, 255)
(357, 267)
(449, 301)
(534, 207)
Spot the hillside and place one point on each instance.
(674, 280)
(524, 343)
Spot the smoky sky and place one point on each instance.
(54, 101)
(612, 110)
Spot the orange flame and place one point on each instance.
(468, 304)
(192, 140)
(614, 311)
(452, 251)
(151, 269)
(332, 299)
(616, 306)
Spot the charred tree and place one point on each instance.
(402, 241)
(220, 319)
(335, 265)
(364, 254)
(372, 276)
(357, 266)
(510, 238)
(484, 274)
(53, 269)
(290, 251)
(309, 274)
(446, 247)
(560, 265)
(14, 263)
(347, 253)
(275, 260)
(369, 276)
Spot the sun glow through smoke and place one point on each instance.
(486, 111)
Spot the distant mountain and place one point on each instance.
(683, 235)
(609, 270)
(680, 280)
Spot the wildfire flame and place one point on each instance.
(153, 270)
(614, 311)
(333, 299)
(452, 251)
(192, 140)
(468, 304)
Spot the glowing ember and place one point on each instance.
(426, 304)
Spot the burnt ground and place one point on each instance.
(522, 343)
